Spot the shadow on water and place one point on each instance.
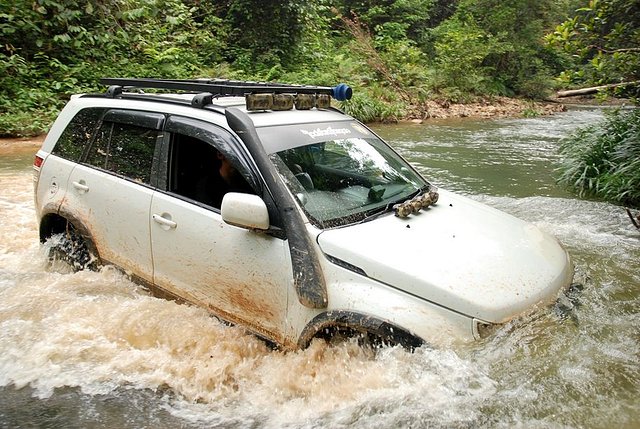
(91, 349)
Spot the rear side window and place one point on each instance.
(78, 134)
(124, 148)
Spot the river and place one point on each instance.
(92, 349)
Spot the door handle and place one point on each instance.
(165, 221)
(81, 186)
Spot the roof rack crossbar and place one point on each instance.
(222, 87)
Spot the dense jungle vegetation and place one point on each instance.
(401, 56)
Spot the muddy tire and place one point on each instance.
(367, 340)
(70, 247)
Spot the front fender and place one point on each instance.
(357, 300)
(386, 331)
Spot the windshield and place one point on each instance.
(344, 180)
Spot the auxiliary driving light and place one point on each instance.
(305, 101)
(304, 98)
(282, 102)
(259, 101)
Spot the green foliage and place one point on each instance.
(603, 160)
(602, 40)
(495, 47)
(264, 34)
(369, 109)
(29, 109)
(396, 19)
(52, 49)
(398, 54)
(461, 50)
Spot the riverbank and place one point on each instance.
(15, 145)
(495, 107)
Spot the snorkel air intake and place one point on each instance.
(307, 273)
(342, 92)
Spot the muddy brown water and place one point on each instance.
(94, 350)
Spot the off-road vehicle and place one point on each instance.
(276, 211)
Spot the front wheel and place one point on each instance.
(365, 339)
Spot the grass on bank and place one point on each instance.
(603, 160)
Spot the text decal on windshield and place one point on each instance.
(326, 132)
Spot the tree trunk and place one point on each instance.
(593, 89)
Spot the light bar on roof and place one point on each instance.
(301, 101)
(256, 102)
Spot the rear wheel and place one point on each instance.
(69, 246)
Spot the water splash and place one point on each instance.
(100, 333)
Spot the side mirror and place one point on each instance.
(245, 210)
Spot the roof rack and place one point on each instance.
(209, 88)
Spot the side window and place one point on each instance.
(131, 151)
(78, 134)
(125, 149)
(201, 172)
(97, 155)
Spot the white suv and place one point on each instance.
(292, 222)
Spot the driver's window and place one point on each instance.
(200, 172)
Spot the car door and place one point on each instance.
(110, 190)
(243, 276)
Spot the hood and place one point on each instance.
(459, 254)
